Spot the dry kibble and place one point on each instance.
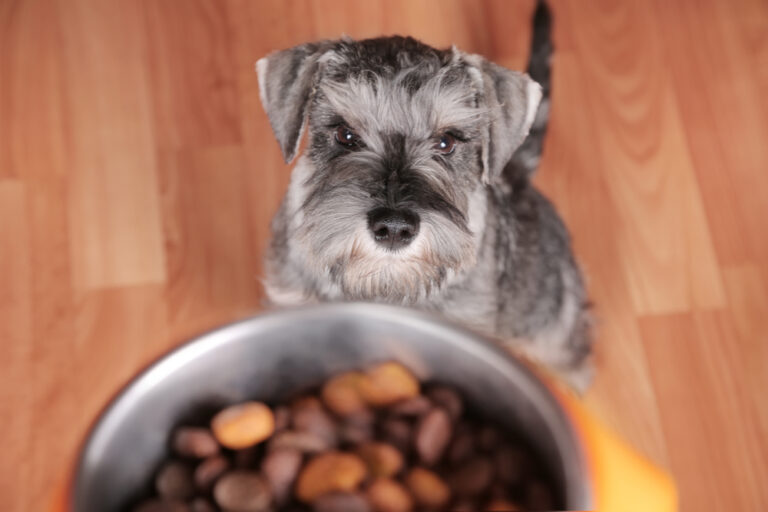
(209, 470)
(158, 505)
(243, 491)
(447, 398)
(465, 505)
(282, 417)
(397, 432)
(502, 506)
(341, 394)
(415, 406)
(462, 447)
(201, 505)
(510, 462)
(341, 502)
(362, 417)
(387, 495)
(498, 491)
(243, 425)
(330, 472)
(388, 383)
(309, 415)
(351, 446)
(306, 442)
(357, 428)
(488, 438)
(473, 477)
(195, 442)
(428, 489)
(382, 459)
(432, 435)
(174, 481)
(280, 468)
(355, 434)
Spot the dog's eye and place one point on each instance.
(346, 137)
(446, 144)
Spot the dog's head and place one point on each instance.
(404, 139)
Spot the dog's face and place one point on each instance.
(389, 200)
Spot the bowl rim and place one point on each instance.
(579, 484)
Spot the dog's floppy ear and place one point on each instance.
(512, 99)
(286, 83)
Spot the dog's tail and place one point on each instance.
(526, 159)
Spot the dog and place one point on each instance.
(415, 189)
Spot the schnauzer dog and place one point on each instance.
(414, 189)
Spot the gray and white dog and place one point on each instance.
(414, 190)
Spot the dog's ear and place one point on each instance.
(512, 99)
(286, 83)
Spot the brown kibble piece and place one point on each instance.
(387, 495)
(415, 406)
(357, 428)
(282, 417)
(447, 398)
(382, 459)
(498, 491)
(388, 383)
(330, 472)
(309, 415)
(488, 438)
(428, 489)
(280, 468)
(341, 394)
(432, 435)
(465, 505)
(473, 477)
(157, 505)
(243, 425)
(510, 462)
(209, 470)
(462, 447)
(201, 505)
(502, 506)
(341, 502)
(244, 491)
(398, 432)
(174, 481)
(306, 442)
(362, 417)
(194, 442)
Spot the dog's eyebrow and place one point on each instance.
(336, 120)
(454, 132)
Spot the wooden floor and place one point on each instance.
(138, 175)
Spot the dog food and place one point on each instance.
(375, 440)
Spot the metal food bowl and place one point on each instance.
(275, 355)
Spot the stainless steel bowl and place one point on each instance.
(274, 355)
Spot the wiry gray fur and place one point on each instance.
(490, 253)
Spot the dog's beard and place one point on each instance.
(342, 248)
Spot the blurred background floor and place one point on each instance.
(138, 175)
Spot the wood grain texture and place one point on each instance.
(113, 212)
(138, 176)
(15, 333)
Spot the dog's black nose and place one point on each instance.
(393, 229)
